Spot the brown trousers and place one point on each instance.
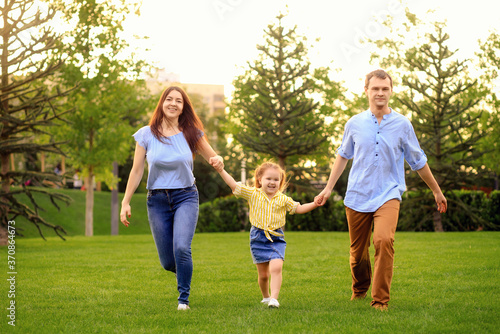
(384, 222)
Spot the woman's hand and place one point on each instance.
(124, 213)
(217, 162)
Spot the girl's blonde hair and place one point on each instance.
(259, 172)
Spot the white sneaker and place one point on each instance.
(273, 303)
(183, 307)
(265, 300)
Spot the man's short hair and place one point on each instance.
(381, 74)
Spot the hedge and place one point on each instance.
(481, 212)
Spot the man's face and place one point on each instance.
(379, 92)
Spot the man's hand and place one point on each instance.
(442, 204)
(323, 196)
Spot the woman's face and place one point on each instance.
(173, 105)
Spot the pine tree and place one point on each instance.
(27, 108)
(489, 62)
(278, 109)
(443, 101)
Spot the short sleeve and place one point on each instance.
(199, 136)
(142, 136)
(346, 149)
(243, 191)
(291, 205)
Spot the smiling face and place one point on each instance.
(270, 181)
(173, 105)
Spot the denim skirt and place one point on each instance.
(262, 249)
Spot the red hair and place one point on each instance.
(189, 122)
(259, 172)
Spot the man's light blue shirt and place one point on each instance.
(378, 152)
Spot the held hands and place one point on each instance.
(217, 162)
(323, 196)
(124, 213)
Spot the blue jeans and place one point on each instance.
(173, 214)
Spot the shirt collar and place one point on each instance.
(265, 195)
(386, 116)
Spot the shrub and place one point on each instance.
(493, 211)
(224, 214)
(330, 217)
(467, 211)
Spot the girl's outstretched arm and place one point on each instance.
(228, 179)
(303, 208)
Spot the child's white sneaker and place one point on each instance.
(183, 307)
(273, 303)
(265, 300)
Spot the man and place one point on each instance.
(378, 140)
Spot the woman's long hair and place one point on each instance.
(189, 122)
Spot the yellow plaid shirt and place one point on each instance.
(266, 214)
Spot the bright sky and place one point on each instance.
(210, 41)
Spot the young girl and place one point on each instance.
(268, 207)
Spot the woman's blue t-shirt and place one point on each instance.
(170, 164)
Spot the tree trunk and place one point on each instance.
(89, 206)
(89, 200)
(12, 162)
(42, 159)
(114, 202)
(63, 169)
(281, 162)
(438, 223)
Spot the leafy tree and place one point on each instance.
(443, 101)
(109, 98)
(489, 62)
(281, 106)
(27, 108)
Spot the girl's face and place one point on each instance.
(173, 105)
(270, 181)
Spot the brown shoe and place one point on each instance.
(380, 307)
(358, 297)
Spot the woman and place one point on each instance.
(174, 135)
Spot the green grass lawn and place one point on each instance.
(443, 283)
(72, 217)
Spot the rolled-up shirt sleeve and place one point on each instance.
(291, 206)
(414, 155)
(346, 149)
